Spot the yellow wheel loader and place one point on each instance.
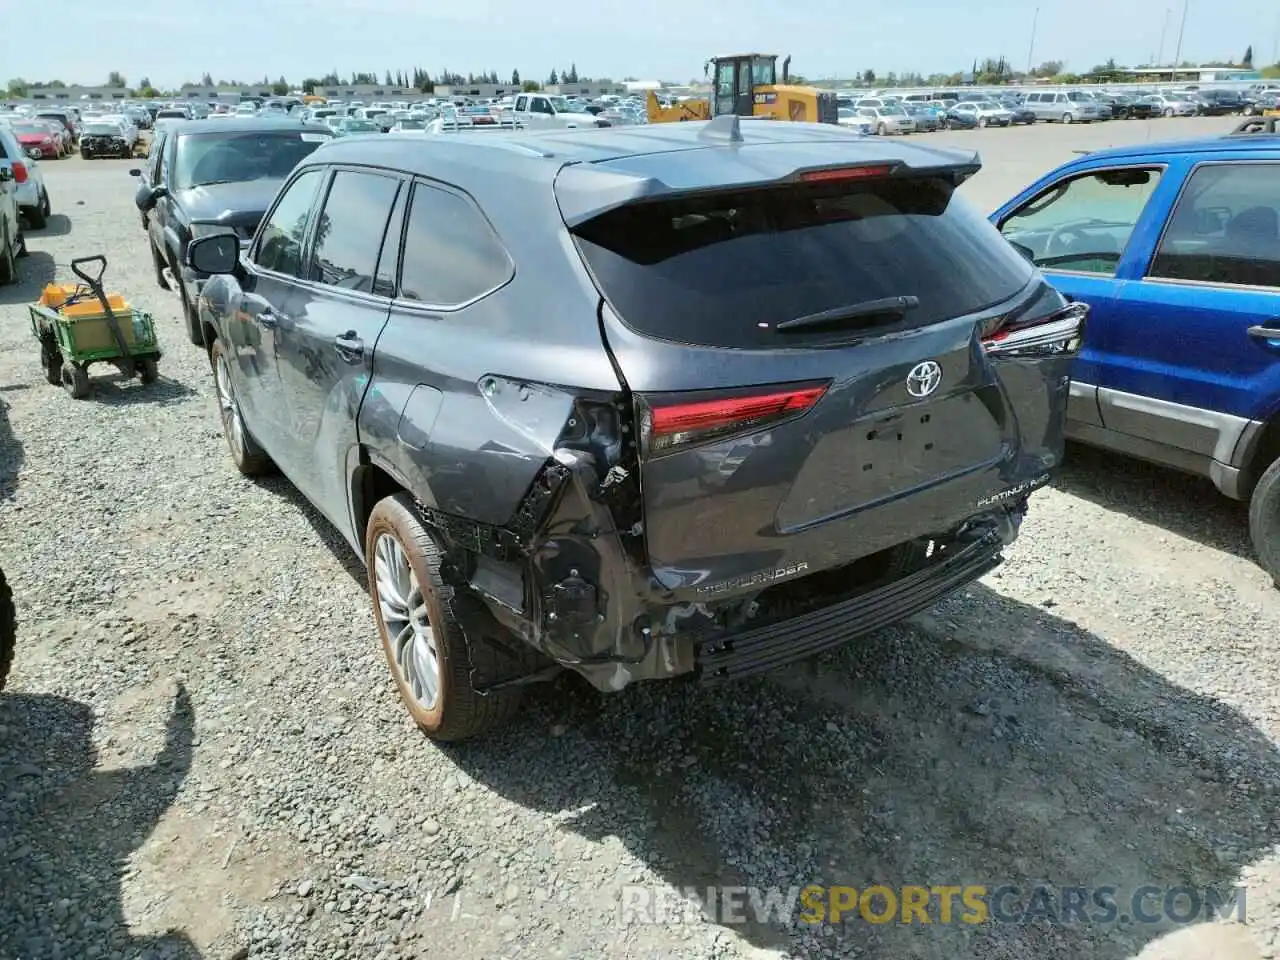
(747, 85)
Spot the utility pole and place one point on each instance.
(1031, 50)
(1177, 56)
(1163, 32)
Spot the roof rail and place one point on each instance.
(725, 128)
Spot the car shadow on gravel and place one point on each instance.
(987, 743)
(68, 829)
(114, 390)
(11, 454)
(34, 270)
(278, 486)
(57, 225)
(1184, 505)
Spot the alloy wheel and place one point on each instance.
(404, 615)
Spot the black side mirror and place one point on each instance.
(214, 254)
(135, 172)
(153, 195)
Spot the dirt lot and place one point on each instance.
(202, 754)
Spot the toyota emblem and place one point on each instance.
(924, 378)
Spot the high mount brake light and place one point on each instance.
(846, 173)
(1055, 334)
(668, 423)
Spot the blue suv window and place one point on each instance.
(1082, 224)
(1225, 227)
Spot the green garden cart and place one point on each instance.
(81, 324)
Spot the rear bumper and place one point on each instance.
(764, 648)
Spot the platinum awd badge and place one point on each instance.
(1020, 490)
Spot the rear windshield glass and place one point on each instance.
(204, 158)
(722, 270)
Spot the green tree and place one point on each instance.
(1050, 68)
(553, 79)
(1247, 59)
(280, 87)
(17, 88)
(116, 79)
(868, 77)
(531, 86)
(572, 75)
(515, 78)
(309, 85)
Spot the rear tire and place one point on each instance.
(416, 614)
(75, 379)
(38, 216)
(1169, 113)
(982, 121)
(1264, 521)
(8, 263)
(51, 360)
(8, 628)
(148, 370)
(882, 131)
(1067, 118)
(157, 262)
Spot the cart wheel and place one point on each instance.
(51, 359)
(76, 380)
(148, 369)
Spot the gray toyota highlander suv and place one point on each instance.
(696, 398)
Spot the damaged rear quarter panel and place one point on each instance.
(456, 450)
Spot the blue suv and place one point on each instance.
(1176, 249)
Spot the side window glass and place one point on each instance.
(1225, 228)
(350, 229)
(1082, 224)
(521, 102)
(280, 242)
(451, 254)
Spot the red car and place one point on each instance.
(38, 139)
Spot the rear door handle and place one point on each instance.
(1260, 332)
(349, 346)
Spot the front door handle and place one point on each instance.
(269, 318)
(349, 346)
(1260, 332)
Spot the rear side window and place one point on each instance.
(350, 228)
(1225, 227)
(723, 270)
(451, 254)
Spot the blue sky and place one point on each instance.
(171, 42)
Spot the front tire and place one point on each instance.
(38, 216)
(8, 263)
(250, 459)
(1169, 114)
(431, 657)
(1264, 521)
(1067, 118)
(75, 379)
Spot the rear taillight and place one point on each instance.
(1057, 333)
(19, 171)
(673, 422)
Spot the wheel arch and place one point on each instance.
(1261, 450)
(369, 482)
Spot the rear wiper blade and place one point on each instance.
(888, 307)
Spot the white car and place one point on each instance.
(887, 120)
(33, 198)
(852, 120)
(985, 113)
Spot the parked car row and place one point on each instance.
(24, 201)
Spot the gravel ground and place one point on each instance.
(202, 754)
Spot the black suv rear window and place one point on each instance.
(722, 270)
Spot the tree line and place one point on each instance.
(988, 71)
(416, 79)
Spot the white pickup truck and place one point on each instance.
(540, 111)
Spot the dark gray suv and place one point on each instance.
(697, 398)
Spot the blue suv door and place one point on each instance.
(1195, 359)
